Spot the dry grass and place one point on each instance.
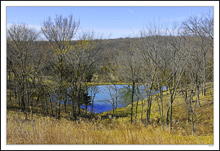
(46, 130)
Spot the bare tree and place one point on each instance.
(60, 33)
(81, 60)
(164, 56)
(93, 91)
(201, 31)
(152, 48)
(20, 54)
(130, 67)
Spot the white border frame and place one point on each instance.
(4, 4)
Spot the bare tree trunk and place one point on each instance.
(188, 115)
(79, 99)
(60, 85)
(193, 111)
(93, 93)
(65, 100)
(142, 109)
(47, 107)
(32, 113)
(192, 125)
(172, 99)
(203, 88)
(171, 110)
(58, 114)
(197, 90)
(56, 111)
(197, 95)
(113, 110)
(132, 99)
(188, 103)
(188, 106)
(74, 110)
(167, 118)
(204, 76)
(149, 109)
(15, 92)
(38, 98)
(79, 108)
(22, 95)
(161, 100)
(27, 93)
(51, 107)
(160, 112)
(73, 107)
(138, 92)
(42, 108)
(10, 83)
(22, 100)
(149, 100)
(136, 109)
(19, 100)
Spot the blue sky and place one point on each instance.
(114, 21)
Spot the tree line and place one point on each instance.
(59, 69)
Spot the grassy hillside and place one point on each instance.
(203, 115)
(47, 130)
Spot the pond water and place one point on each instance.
(105, 94)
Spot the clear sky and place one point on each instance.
(117, 21)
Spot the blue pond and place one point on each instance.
(105, 94)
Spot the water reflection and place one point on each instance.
(107, 96)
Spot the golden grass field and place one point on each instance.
(47, 130)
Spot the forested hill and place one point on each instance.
(109, 50)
